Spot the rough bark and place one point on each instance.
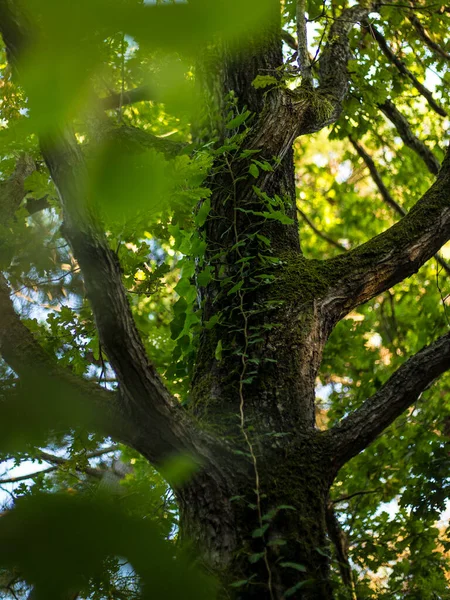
(392, 256)
(384, 192)
(142, 390)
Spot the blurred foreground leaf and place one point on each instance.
(58, 542)
(39, 406)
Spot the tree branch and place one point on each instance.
(139, 94)
(162, 428)
(17, 345)
(340, 543)
(333, 75)
(354, 495)
(142, 389)
(12, 190)
(307, 110)
(133, 138)
(426, 38)
(35, 205)
(29, 476)
(377, 178)
(404, 71)
(385, 193)
(325, 105)
(322, 235)
(403, 388)
(390, 257)
(409, 139)
(289, 40)
(304, 63)
(59, 461)
(25, 356)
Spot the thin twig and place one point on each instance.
(354, 495)
(320, 233)
(393, 58)
(59, 461)
(403, 127)
(426, 38)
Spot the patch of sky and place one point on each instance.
(344, 171)
(10, 470)
(132, 47)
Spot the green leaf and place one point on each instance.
(322, 552)
(253, 170)
(254, 558)
(236, 287)
(291, 591)
(203, 213)
(295, 566)
(248, 152)
(238, 120)
(265, 166)
(218, 351)
(240, 583)
(263, 81)
(263, 239)
(277, 542)
(260, 531)
(38, 184)
(204, 277)
(277, 215)
(45, 536)
(212, 321)
(179, 469)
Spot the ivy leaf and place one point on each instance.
(291, 591)
(295, 566)
(253, 170)
(204, 277)
(253, 558)
(260, 531)
(240, 583)
(236, 287)
(218, 351)
(238, 120)
(263, 81)
(203, 213)
(277, 215)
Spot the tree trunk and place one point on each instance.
(253, 383)
(290, 551)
